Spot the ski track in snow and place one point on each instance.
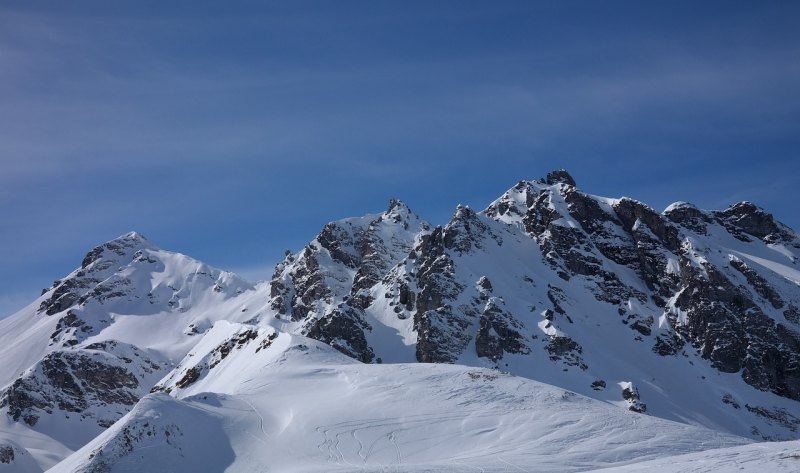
(260, 418)
(377, 430)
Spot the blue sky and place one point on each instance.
(231, 131)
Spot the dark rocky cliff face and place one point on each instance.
(326, 286)
(90, 281)
(624, 253)
(99, 383)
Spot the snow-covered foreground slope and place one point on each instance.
(772, 457)
(297, 405)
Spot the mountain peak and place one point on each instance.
(743, 207)
(132, 235)
(559, 176)
(398, 209)
(750, 218)
(120, 246)
(463, 211)
(396, 204)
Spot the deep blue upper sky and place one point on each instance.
(231, 131)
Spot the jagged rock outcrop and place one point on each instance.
(7, 454)
(631, 396)
(221, 343)
(702, 300)
(100, 382)
(748, 218)
(116, 277)
(343, 329)
(441, 332)
(92, 279)
(347, 258)
(659, 273)
(498, 330)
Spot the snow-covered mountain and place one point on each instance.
(290, 404)
(678, 330)
(79, 357)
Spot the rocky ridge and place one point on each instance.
(685, 284)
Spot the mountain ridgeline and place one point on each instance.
(682, 280)
(688, 315)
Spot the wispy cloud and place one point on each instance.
(248, 130)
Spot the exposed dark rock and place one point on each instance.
(559, 176)
(22, 402)
(267, 342)
(407, 297)
(654, 239)
(668, 345)
(465, 231)
(631, 395)
(556, 296)
(6, 454)
(442, 336)
(71, 381)
(759, 284)
(566, 350)
(94, 269)
(792, 314)
(237, 341)
(587, 212)
(189, 377)
(630, 211)
(340, 243)
(641, 327)
(485, 284)
(707, 307)
(688, 216)
(441, 333)
(730, 330)
(65, 295)
(777, 416)
(67, 326)
(343, 329)
(378, 255)
(747, 217)
(305, 286)
(498, 333)
(728, 399)
(598, 385)
(303, 289)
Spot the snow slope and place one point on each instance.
(774, 457)
(297, 405)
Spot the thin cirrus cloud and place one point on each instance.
(232, 133)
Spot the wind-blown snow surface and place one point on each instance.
(297, 405)
(773, 457)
